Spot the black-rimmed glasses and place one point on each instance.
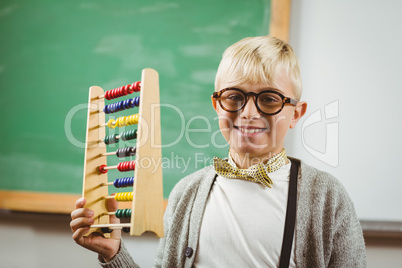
(268, 102)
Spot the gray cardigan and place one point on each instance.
(328, 232)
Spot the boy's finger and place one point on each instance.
(113, 219)
(80, 223)
(78, 235)
(112, 204)
(80, 202)
(81, 212)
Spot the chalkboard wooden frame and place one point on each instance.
(45, 202)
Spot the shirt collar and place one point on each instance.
(233, 164)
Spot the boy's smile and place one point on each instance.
(249, 130)
(252, 135)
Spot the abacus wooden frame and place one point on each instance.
(147, 204)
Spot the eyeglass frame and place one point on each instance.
(285, 100)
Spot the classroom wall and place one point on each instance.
(350, 56)
(43, 240)
(350, 59)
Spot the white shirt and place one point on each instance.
(243, 223)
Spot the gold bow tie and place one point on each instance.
(256, 173)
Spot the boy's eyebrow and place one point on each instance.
(275, 89)
(264, 89)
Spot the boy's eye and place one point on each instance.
(234, 97)
(269, 99)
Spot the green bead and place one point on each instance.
(111, 139)
(117, 213)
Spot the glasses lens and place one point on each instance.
(269, 102)
(232, 100)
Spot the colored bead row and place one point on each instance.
(124, 197)
(111, 139)
(127, 135)
(123, 213)
(123, 91)
(126, 152)
(126, 166)
(123, 166)
(122, 105)
(123, 121)
(123, 182)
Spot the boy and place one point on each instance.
(258, 208)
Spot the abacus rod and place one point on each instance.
(111, 212)
(105, 124)
(132, 150)
(114, 212)
(123, 166)
(117, 137)
(111, 225)
(110, 153)
(113, 197)
(121, 197)
(131, 102)
(107, 183)
(102, 96)
(110, 167)
(108, 213)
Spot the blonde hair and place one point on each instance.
(259, 60)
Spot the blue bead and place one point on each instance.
(131, 103)
(123, 182)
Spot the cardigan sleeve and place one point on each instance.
(122, 259)
(328, 231)
(348, 243)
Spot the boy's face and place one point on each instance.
(253, 134)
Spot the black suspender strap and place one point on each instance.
(290, 215)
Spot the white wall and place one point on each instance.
(350, 59)
(350, 55)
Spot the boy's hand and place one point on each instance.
(81, 219)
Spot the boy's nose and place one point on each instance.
(250, 110)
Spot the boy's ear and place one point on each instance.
(300, 110)
(213, 103)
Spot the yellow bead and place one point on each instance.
(111, 123)
(120, 122)
(127, 196)
(131, 120)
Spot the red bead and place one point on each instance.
(136, 86)
(126, 166)
(102, 169)
(122, 91)
(130, 89)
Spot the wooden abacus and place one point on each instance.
(147, 193)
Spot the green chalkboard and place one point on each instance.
(53, 51)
